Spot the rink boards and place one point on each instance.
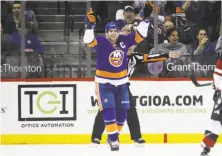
(50, 111)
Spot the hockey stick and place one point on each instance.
(194, 80)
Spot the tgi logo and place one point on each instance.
(46, 102)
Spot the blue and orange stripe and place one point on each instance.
(111, 75)
(111, 128)
(93, 43)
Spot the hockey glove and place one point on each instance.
(90, 20)
(150, 33)
(213, 86)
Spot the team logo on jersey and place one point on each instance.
(105, 100)
(116, 58)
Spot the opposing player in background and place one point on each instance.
(111, 73)
(212, 134)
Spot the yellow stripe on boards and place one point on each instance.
(7, 139)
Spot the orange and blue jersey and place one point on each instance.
(111, 66)
(112, 61)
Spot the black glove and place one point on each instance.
(213, 86)
(150, 33)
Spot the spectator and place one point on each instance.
(32, 42)
(196, 14)
(202, 44)
(203, 47)
(128, 15)
(178, 17)
(33, 16)
(127, 19)
(123, 4)
(183, 30)
(172, 45)
(11, 46)
(167, 25)
(33, 48)
(13, 22)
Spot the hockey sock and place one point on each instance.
(212, 134)
(210, 139)
(109, 116)
(121, 115)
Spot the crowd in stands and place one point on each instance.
(191, 27)
(11, 31)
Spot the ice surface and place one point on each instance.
(103, 150)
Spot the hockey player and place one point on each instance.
(212, 134)
(134, 59)
(111, 73)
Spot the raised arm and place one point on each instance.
(141, 31)
(90, 23)
(186, 5)
(155, 57)
(139, 34)
(147, 58)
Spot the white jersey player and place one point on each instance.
(212, 134)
